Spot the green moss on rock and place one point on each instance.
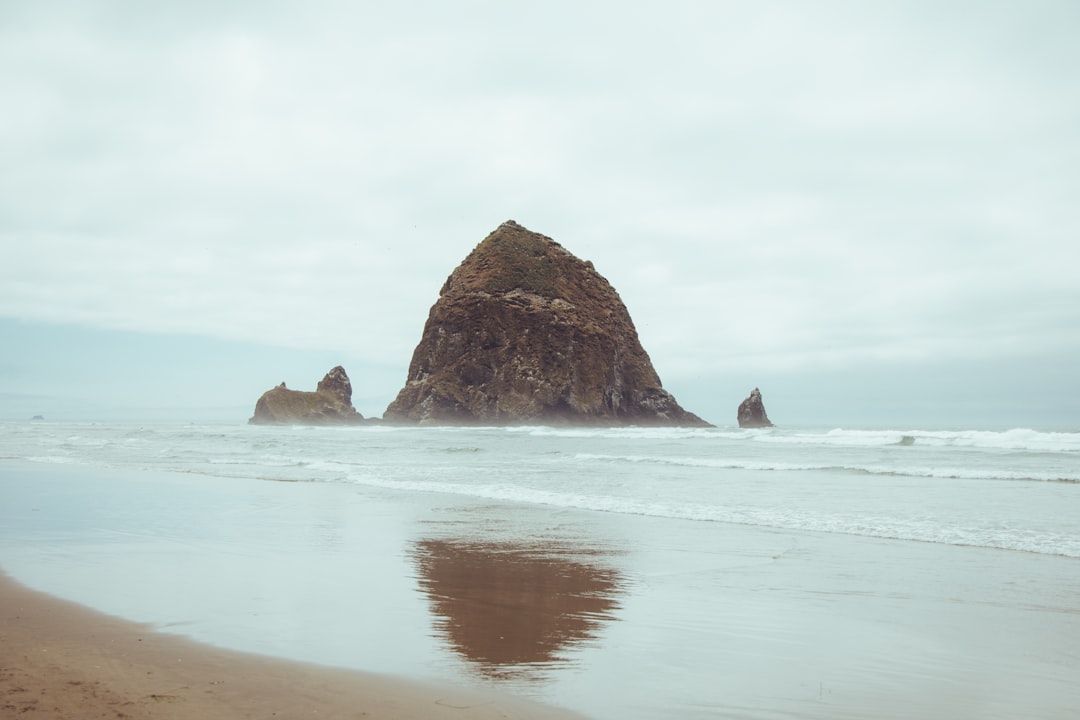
(521, 260)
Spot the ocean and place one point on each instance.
(790, 572)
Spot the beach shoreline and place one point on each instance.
(59, 659)
(397, 560)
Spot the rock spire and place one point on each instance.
(751, 412)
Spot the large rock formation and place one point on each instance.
(330, 404)
(524, 332)
(752, 412)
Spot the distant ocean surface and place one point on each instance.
(629, 574)
(1010, 489)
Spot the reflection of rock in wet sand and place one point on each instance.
(505, 607)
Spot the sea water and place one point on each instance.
(634, 572)
(1012, 489)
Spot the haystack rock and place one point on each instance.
(524, 332)
(752, 412)
(330, 404)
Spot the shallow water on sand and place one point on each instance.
(563, 566)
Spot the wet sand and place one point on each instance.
(615, 616)
(61, 660)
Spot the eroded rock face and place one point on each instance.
(752, 412)
(525, 332)
(330, 404)
(337, 385)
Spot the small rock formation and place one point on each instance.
(752, 412)
(525, 332)
(330, 404)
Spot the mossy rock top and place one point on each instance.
(514, 258)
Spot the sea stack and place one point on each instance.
(330, 404)
(524, 332)
(752, 412)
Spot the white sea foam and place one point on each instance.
(944, 472)
(51, 459)
(1016, 439)
(708, 462)
(791, 518)
(862, 482)
(1023, 439)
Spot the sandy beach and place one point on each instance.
(60, 660)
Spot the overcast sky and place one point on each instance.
(869, 210)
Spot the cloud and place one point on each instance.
(774, 187)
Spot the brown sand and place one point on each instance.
(61, 660)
